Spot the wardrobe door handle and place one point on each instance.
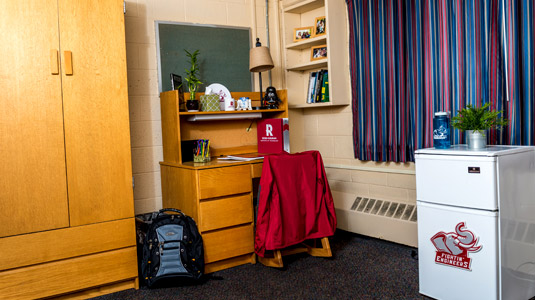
(68, 62)
(54, 62)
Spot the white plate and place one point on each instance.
(220, 89)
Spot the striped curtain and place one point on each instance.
(412, 58)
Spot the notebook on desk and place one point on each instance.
(243, 157)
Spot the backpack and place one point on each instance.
(170, 248)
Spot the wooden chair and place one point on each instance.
(273, 258)
(289, 167)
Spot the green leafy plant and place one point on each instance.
(192, 74)
(478, 118)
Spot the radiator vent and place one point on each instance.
(389, 209)
(380, 218)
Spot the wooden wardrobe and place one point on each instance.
(66, 198)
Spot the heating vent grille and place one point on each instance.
(389, 209)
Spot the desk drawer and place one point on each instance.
(225, 212)
(228, 243)
(218, 182)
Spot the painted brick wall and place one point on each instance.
(145, 120)
(328, 130)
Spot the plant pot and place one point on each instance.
(476, 139)
(192, 105)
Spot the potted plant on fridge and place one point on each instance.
(192, 80)
(475, 121)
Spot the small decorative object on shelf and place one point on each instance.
(476, 121)
(318, 52)
(202, 151)
(303, 33)
(230, 104)
(192, 80)
(244, 103)
(210, 102)
(192, 105)
(319, 29)
(271, 100)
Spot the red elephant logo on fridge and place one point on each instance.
(453, 247)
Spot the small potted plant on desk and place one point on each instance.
(475, 121)
(193, 81)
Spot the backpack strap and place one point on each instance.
(164, 210)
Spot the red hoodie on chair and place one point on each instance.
(295, 202)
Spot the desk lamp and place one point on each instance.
(260, 61)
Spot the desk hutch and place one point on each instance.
(217, 194)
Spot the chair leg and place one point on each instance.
(275, 261)
(324, 251)
(274, 258)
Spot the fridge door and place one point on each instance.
(457, 252)
(465, 181)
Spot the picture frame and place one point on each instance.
(320, 26)
(176, 82)
(318, 52)
(303, 33)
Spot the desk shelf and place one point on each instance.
(236, 112)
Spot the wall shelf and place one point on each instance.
(303, 13)
(306, 44)
(304, 6)
(313, 105)
(316, 64)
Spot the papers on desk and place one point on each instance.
(242, 157)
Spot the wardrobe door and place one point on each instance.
(33, 189)
(97, 130)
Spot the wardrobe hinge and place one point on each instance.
(124, 6)
(133, 183)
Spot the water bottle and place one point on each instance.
(441, 130)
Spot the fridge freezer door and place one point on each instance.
(457, 180)
(457, 252)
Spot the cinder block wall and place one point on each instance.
(328, 130)
(145, 123)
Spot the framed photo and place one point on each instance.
(319, 28)
(176, 82)
(318, 52)
(303, 33)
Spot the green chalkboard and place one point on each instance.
(223, 54)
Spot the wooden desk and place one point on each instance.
(218, 195)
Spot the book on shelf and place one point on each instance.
(319, 82)
(317, 86)
(325, 87)
(311, 86)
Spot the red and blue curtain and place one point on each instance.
(412, 58)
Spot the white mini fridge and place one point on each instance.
(476, 222)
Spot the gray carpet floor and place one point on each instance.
(361, 268)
